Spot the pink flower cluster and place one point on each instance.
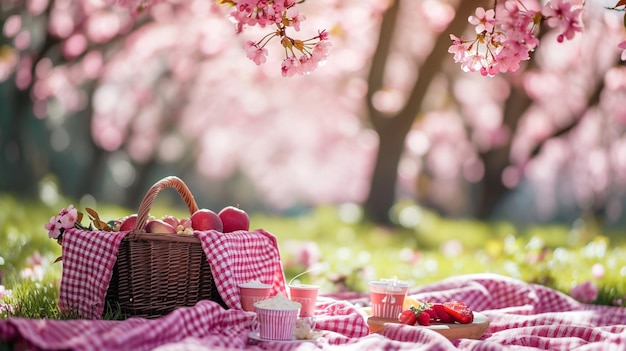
(64, 220)
(585, 292)
(264, 12)
(507, 37)
(301, 56)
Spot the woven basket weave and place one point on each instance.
(157, 272)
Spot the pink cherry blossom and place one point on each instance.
(458, 48)
(68, 217)
(294, 17)
(301, 56)
(254, 53)
(502, 41)
(561, 13)
(289, 67)
(322, 35)
(53, 227)
(320, 53)
(483, 20)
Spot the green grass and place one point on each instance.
(32, 299)
(347, 252)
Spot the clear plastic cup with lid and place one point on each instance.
(387, 297)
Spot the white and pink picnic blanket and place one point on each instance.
(522, 317)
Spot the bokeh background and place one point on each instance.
(98, 102)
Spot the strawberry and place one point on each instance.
(459, 311)
(419, 315)
(442, 315)
(423, 318)
(407, 317)
(431, 312)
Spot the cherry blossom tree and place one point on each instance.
(494, 118)
(172, 87)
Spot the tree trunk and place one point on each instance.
(392, 130)
(17, 173)
(22, 162)
(492, 188)
(384, 178)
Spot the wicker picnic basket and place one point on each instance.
(157, 272)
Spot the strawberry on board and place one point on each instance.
(423, 318)
(459, 311)
(407, 317)
(442, 315)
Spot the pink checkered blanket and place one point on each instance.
(522, 317)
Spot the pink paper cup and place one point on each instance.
(250, 295)
(306, 295)
(387, 300)
(276, 324)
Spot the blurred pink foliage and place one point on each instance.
(171, 80)
(303, 253)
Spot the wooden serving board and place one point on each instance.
(451, 331)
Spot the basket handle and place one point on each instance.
(148, 199)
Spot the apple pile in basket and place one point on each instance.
(229, 219)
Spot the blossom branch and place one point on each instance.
(506, 38)
(308, 54)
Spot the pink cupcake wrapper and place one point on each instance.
(276, 324)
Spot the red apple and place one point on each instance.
(204, 219)
(234, 218)
(128, 223)
(159, 226)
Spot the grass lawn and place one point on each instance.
(344, 252)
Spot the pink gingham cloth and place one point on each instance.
(522, 317)
(237, 257)
(240, 257)
(88, 260)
